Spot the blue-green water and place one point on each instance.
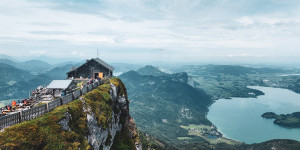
(240, 118)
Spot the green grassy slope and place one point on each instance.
(45, 132)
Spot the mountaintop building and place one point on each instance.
(95, 68)
(61, 87)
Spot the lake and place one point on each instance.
(240, 118)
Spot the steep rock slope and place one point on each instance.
(98, 120)
(164, 105)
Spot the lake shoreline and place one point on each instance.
(242, 103)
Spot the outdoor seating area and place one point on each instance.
(16, 105)
(43, 99)
(36, 96)
(27, 109)
(45, 94)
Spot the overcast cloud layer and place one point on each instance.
(183, 31)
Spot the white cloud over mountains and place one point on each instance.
(186, 30)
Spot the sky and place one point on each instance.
(153, 31)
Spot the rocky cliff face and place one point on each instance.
(98, 120)
(102, 136)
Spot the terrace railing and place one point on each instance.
(25, 115)
(9, 120)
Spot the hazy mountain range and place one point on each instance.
(45, 59)
(17, 78)
(163, 103)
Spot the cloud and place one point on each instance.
(245, 55)
(49, 32)
(48, 24)
(181, 29)
(246, 21)
(38, 52)
(80, 54)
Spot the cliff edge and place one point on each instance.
(98, 120)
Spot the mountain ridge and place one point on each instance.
(167, 100)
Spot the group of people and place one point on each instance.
(94, 80)
(34, 98)
(37, 93)
(15, 105)
(90, 82)
(19, 104)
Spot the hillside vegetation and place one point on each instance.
(171, 108)
(286, 120)
(47, 132)
(226, 81)
(162, 104)
(11, 75)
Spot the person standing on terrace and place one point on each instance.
(21, 105)
(14, 104)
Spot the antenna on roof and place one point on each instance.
(97, 53)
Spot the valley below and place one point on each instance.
(175, 123)
(196, 107)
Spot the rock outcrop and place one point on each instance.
(98, 120)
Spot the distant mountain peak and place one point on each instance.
(151, 70)
(130, 74)
(36, 60)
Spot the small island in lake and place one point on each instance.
(288, 120)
